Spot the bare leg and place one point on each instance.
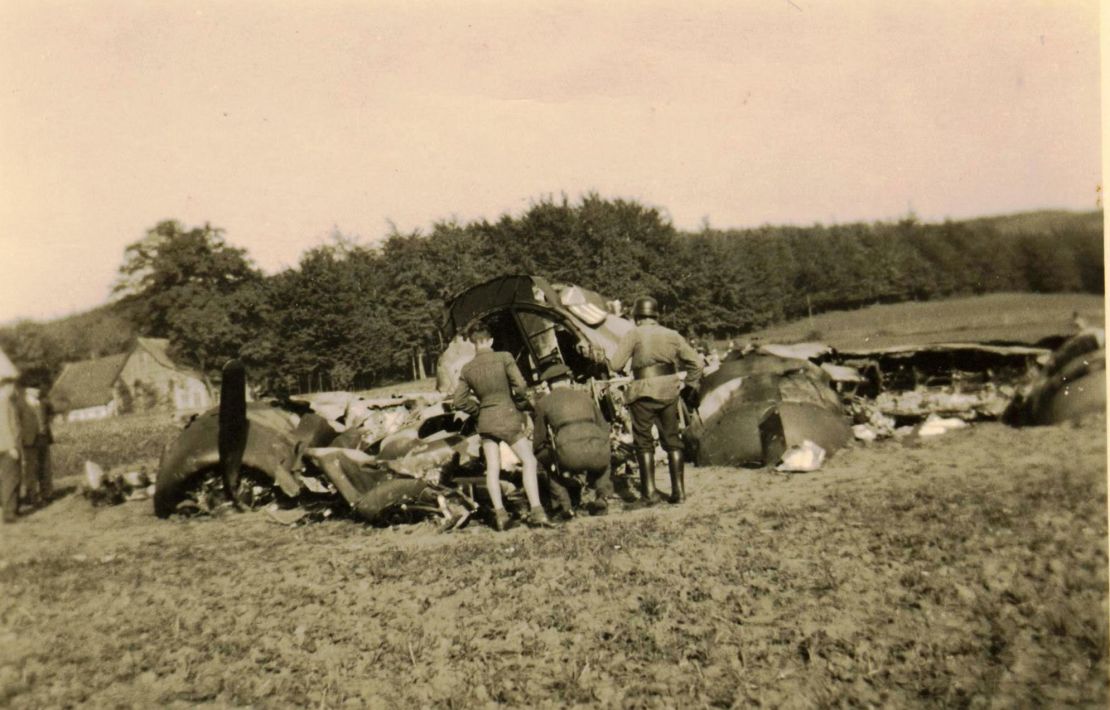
(523, 450)
(492, 451)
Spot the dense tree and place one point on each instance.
(181, 284)
(34, 352)
(350, 315)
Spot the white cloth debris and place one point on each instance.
(804, 458)
(863, 432)
(935, 426)
(94, 475)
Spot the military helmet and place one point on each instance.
(645, 307)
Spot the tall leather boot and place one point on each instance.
(648, 495)
(677, 464)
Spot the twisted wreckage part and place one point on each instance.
(289, 446)
(401, 459)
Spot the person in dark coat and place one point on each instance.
(657, 354)
(34, 431)
(572, 438)
(491, 387)
(11, 445)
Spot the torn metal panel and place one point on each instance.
(1072, 384)
(956, 364)
(797, 351)
(275, 440)
(757, 406)
(380, 495)
(538, 322)
(966, 380)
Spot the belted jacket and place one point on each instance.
(651, 348)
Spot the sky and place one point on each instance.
(281, 121)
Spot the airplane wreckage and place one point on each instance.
(404, 459)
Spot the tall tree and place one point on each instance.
(33, 351)
(179, 284)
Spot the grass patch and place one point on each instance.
(133, 440)
(1017, 317)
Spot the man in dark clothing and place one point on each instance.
(572, 438)
(657, 354)
(490, 386)
(10, 449)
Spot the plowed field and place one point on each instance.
(964, 570)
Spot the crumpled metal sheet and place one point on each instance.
(1072, 384)
(275, 440)
(380, 495)
(759, 405)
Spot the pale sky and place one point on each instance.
(281, 121)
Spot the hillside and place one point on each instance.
(1043, 221)
(997, 317)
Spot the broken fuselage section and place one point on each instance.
(753, 408)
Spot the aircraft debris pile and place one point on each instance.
(401, 459)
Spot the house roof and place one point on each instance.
(87, 383)
(159, 350)
(7, 369)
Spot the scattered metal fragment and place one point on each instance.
(114, 488)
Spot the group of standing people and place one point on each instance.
(571, 437)
(25, 439)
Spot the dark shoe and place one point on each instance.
(538, 519)
(655, 499)
(597, 507)
(678, 476)
(500, 520)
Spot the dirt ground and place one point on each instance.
(965, 570)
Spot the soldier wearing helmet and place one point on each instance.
(657, 354)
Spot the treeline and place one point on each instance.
(353, 315)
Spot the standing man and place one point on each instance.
(572, 437)
(42, 446)
(657, 354)
(495, 382)
(30, 430)
(10, 444)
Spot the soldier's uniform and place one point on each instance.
(573, 437)
(495, 380)
(657, 355)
